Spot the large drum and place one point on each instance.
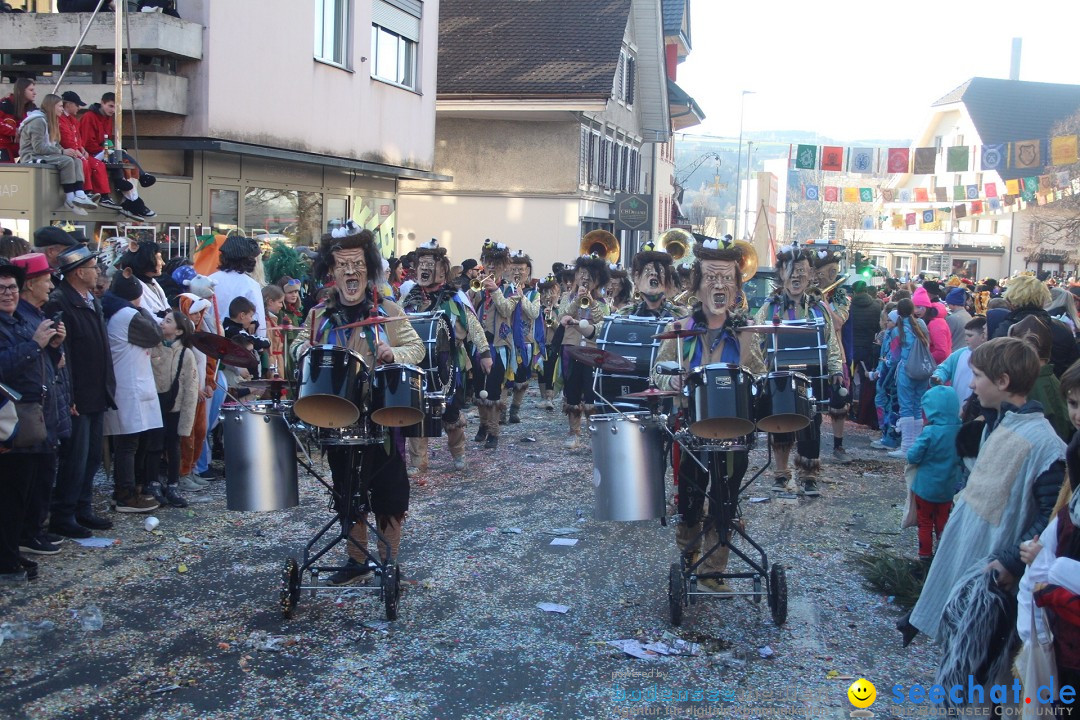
(397, 395)
(434, 330)
(362, 432)
(721, 401)
(783, 404)
(260, 458)
(330, 385)
(632, 338)
(628, 467)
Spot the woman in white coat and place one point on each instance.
(145, 262)
(132, 333)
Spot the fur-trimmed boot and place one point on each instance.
(906, 427)
(519, 397)
(455, 441)
(481, 411)
(493, 431)
(573, 415)
(548, 394)
(390, 528)
(807, 471)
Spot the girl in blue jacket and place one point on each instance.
(934, 451)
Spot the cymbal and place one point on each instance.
(266, 384)
(650, 394)
(377, 320)
(679, 333)
(225, 350)
(777, 329)
(597, 358)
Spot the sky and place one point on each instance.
(862, 70)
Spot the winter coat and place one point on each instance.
(93, 127)
(1047, 392)
(166, 359)
(132, 334)
(1063, 352)
(25, 367)
(9, 128)
(89, 363)
(956, 371)
(866, 320)
(34, 141)
(956, 322)
(934, 451)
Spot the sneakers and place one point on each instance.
(155, 492)
(29, 567)
(899, 453)
(92, 521)
(54, 538)
(128, 208)
(481, 434)
(72, 529)
(841, 456)
(83, 200)
(146, 179)
(459, 464)
(136, 504)
(108, 203)
(143, 210)
(189, 484)
(39, 546)
(492, 442)
(412, 471)
(352, 573)
(514, 417)
(173, 498)
(205, 477)
(73, 207)
(810, 488)
(780, 484)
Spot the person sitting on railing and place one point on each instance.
(13, 111)
(39, 142)
(97, 125)
(95, 180)
(78, 6)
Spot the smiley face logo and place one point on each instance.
(862, 693)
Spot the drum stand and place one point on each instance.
(389, 588)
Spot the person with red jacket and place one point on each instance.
(934, 316)
(13, 111)
(95, 178)
(97, 123)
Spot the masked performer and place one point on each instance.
(553, 332)
(580, 314)
(354, 263)
(836, 301)
(719, 271)
(617, 292)
(495, 304)
(654, 285)
(429, 293)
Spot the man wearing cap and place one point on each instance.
(93, 386)
(958, 316)
(239, 255)
(51, 240)
(469, 272)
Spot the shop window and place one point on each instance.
(287, 215)
(224, 211)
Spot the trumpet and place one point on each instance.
(478, 284)
(549, 318)
(585, 302)
(686, 297)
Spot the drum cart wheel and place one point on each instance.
(290, 587)
(778, 594)
(757, 590)
(676, 594)
(391, 590)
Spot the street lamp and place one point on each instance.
(738, 163)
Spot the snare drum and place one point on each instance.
(632, 338)
(362, 432)
(330, 383)
(260, 454)
(628, 467)
(721, 401)
(397, 395)
(783, 404)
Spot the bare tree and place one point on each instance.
(1055, 227)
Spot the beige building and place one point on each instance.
(264, 116)
(546, 110)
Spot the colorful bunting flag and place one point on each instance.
(941, 194)
(812, 192)
(1063, 179)
(905, 195)
(1027, 154)
(832, 193)
(851, 194)
(927, 216)
(897, 221)
(960, 211)
(990, 189)
(1031, 186)
(1063, 150)
(971, 192)
(832, 158)
(995, 204)
(1010, 199)
(1076, 186)
(993, 157)
(866, 194)
(925, 160)
(861, 160)
(976, 207)
(957, 159)
(959, 192)
(1046, 184)
(1012, 187)
(920, 195)
(909, 219)
(806, 157)
(888, 194)
(899, 160)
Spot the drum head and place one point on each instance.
(328, 411)
(397, 416)
(722, 428)
(783, 423)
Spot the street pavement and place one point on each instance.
(192, 627)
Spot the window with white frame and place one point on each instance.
(625, 74)
(332, 32)
(395, 38)
(902, 265)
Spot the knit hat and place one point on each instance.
(126, 286)
(921, 298)
(894, 316)
(956, 296)
(51, 235)
(238, 247)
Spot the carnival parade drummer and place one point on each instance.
(836, 301)
(717, 277)
(495, 303)
(432, 292)
(553, 332)
(796, 299)
(353, 261)
(580, 314)
(524, 327)
(654, 284)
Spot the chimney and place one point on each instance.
(1014, 60)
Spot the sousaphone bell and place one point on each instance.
(602, 244)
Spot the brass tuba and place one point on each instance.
(600, 243)
(678, 243)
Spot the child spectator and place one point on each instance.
(293, 312)
(273, 360)
(240, 327)
(176, 374)
(909, 330)
(1047, 391)
(933, 316)
(884, 376)
(956, 370)
(39, 143)
(934, 451)
(1008, 498)
(95, 179)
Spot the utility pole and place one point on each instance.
(746, 205)
(738, 164)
